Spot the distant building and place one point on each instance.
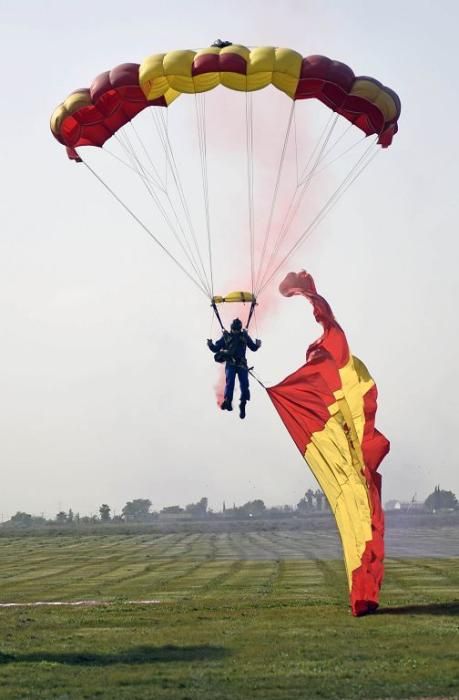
(412, 506)
(165, 516)
(404, 506)
(392, 505)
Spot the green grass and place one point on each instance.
(227, 626)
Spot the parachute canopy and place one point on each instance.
(90, 116)
(328, 406)
(244, 167)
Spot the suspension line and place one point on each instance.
(144, 227)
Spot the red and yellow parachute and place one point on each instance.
(329, 407)
(90, 116)
(109, 110)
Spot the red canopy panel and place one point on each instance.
(113, 99)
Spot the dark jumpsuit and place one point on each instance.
(236, 344)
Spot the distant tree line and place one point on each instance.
(441, 500)
(139, 511)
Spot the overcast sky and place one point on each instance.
(106, 385)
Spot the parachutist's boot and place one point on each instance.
(226, 405)
(242, 409)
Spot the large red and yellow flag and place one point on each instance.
(328, 406)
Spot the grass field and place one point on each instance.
(237, 615)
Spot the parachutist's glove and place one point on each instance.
(209, 342)
(258, 343)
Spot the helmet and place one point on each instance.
(236, 325)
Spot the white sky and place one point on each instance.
(106, 386)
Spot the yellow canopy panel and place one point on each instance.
(234, 297)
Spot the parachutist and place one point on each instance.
(220, 44)
(231, 349)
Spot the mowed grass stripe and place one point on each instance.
(167, 564)
(255, 545)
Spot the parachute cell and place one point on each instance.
(328, 406)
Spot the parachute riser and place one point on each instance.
(251, 312)
(214, 306)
